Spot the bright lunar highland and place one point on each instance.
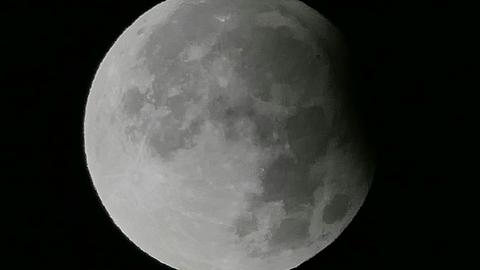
(219, 137)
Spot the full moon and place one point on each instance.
(219, 135)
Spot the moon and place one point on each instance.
(218, 134)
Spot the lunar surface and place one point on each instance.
(219, 137)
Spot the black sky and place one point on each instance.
(413, 63)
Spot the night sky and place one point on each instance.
(413, 68)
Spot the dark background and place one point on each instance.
(414, 69)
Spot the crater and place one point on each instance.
(185, 26)
(336, 209)
(141, 31)
(288, 180)
(169, 136)
(231, 116)
(132, 101)
(292, 233)
(308, 134)
(245, 224)
(266, 133)
(276, 20)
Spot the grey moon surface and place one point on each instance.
(218, 135)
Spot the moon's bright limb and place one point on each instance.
(217, 135)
